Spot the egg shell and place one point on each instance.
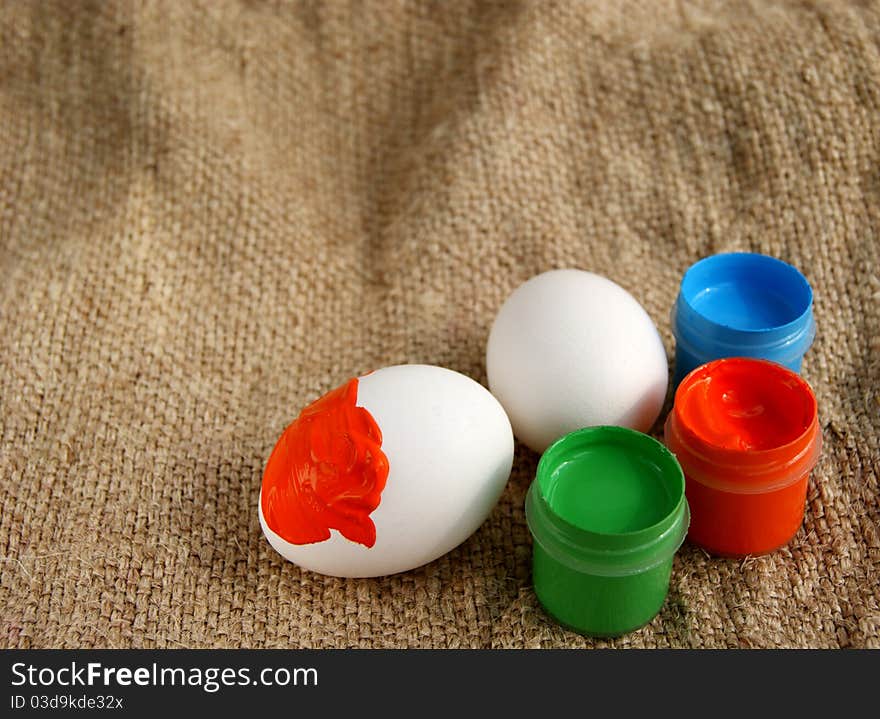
(449, 447)
(571, 349)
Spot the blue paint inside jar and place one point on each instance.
(742, 304)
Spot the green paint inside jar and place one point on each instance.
(604, 489)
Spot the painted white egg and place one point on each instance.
(386, 473)
(571, 349)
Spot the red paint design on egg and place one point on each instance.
(327, 471)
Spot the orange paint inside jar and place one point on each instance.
(746, 434)
(327, 471)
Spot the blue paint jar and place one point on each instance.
(742, 304)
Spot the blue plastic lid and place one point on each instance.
(741, 303)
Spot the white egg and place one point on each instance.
(449, 449)
(571, 349)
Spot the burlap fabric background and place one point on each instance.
(211, 214)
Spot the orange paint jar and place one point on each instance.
(746, 433)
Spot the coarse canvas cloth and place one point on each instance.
(211, 213)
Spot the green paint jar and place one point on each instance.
(607, 512)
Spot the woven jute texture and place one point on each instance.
(212, 213)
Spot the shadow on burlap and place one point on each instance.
(210, 217)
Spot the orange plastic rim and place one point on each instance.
(746, 433)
